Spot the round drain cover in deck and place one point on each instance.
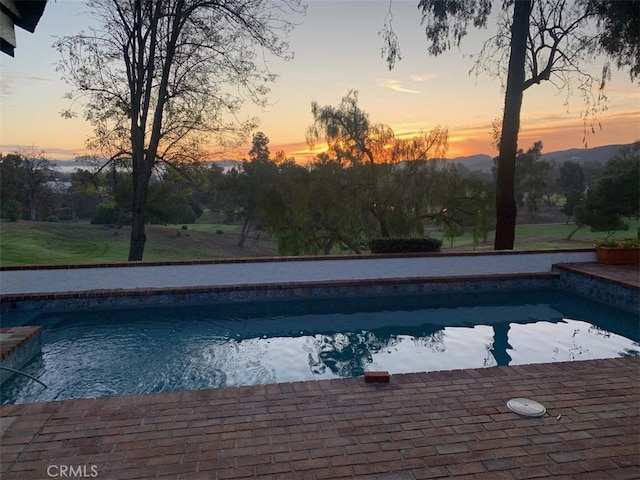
(526, 407)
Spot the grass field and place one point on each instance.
(28, 243)
(541, 236)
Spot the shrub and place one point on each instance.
(51, 218)
(12, 210)
(405, 245)
(615, 243)
(106, 213)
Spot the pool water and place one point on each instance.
(131, 351)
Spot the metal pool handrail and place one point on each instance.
(13, 370)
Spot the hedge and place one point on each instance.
(404, 245)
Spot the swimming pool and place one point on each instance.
(95, 353)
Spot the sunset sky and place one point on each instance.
(337, 48)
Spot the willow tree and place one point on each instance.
(374, 149)
(161, 80)
(536, 41)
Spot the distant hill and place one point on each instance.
(484, 163)
(581, 155)
(481, 162)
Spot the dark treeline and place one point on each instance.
(369, 183)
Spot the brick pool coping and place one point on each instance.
(450, 424)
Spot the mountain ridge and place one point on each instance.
(480, 161)
(484, 162)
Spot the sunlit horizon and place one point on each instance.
(422, 92)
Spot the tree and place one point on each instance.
(24, 176)
(615, 195)
(537, 40)
(154, 74)
(12, 197)
(462, 200)
(245, 186)
(618, 185)
(259, 147)
(571, 178)
(86, 192)
(374, 151)
(311, 210)
(571, 202)
(571, 184)
(619, 35)
(531, 177)
(592, 172)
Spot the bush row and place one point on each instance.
(404, 245)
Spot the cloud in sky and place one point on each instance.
(324, 69)
(37, 79)
(423, 78)
(9, 79)
(395, 85)
(49, 151)
(6, 81)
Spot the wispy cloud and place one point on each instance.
(7, 80)
(395, 85)
(37, 79)
(51, 152)
(423, 78)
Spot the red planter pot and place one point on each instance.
(618, 256)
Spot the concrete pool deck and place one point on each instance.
(452, 424)
(54, 279)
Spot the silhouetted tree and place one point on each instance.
(615, 195)
(154, 76)
(259, 147)
(24, 177)
(619, 34)
(531, 177)
(375, 151)
(249, 184)
(537, 40)
(572, 185)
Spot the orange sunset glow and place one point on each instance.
(420, 93)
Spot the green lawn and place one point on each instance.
(541, 236)
(24, 242)
(28, 243)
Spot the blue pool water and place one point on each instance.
(131, 351)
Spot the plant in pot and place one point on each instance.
(606, 204)
(611, 251)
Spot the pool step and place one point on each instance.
(18, 345)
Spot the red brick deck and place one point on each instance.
(430, 425)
